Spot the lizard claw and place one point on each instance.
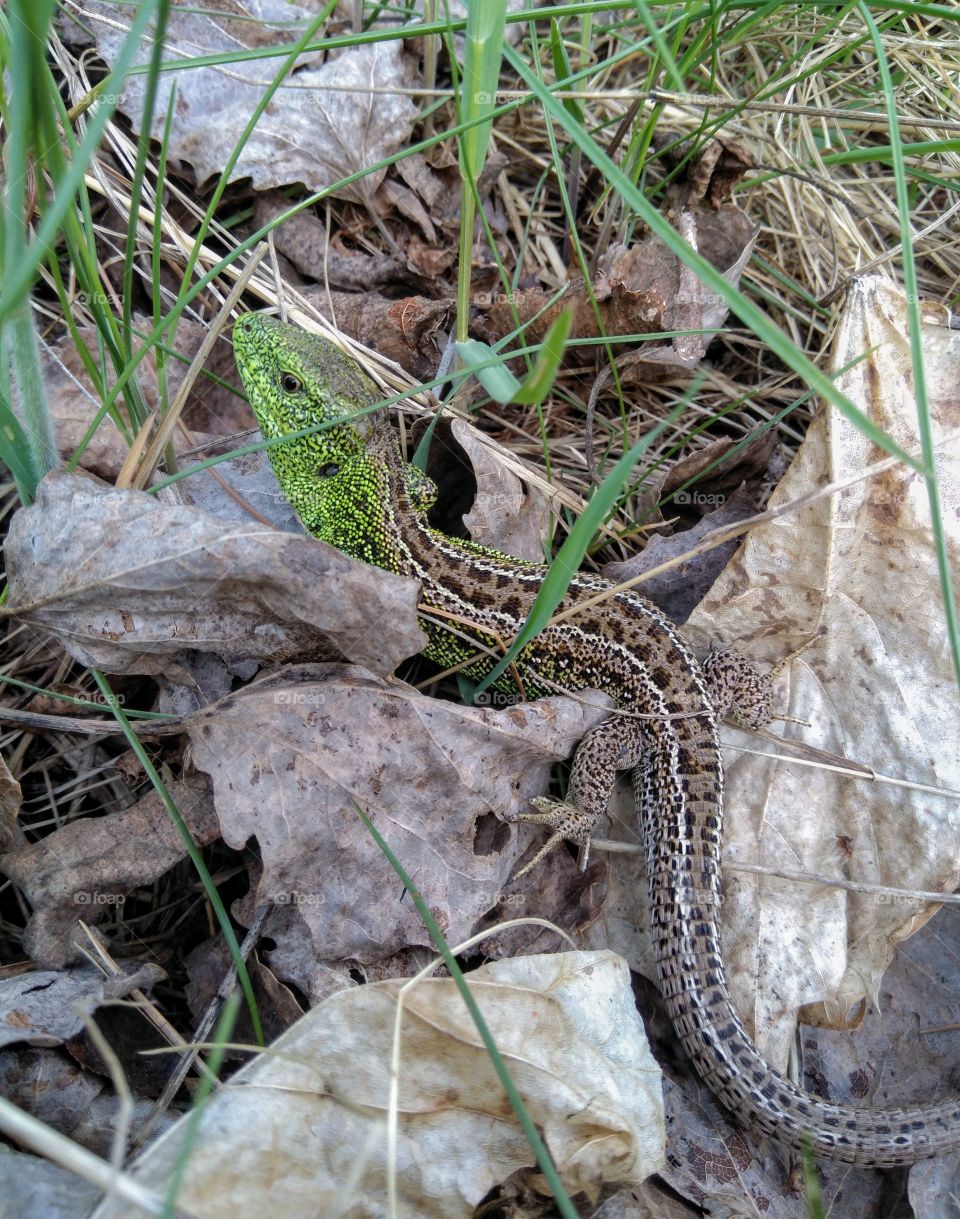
(567, 822)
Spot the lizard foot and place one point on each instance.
(567, 821)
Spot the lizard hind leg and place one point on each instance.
(738, 690)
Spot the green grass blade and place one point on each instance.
(915, 327)
(196, 858)
(500, 383)
(486, 20)
(191, 1125)
(563, 1203)
(18, 279)
(489, 369)
(562, 68)
(571, 553)
(740, 305)
(139, 169)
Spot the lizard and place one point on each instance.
(351, 488)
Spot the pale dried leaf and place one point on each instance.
(284, 1135)
(506, 515)
(126, 583)
(33, 1188)
(294, 755)
(935, 1186)
(252, 478)
(858, 567)
(326, 121)
(48, 1007)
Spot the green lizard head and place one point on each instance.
(335, 479)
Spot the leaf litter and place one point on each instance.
(758, 791)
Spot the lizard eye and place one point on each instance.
(329, 471)
(290, 383)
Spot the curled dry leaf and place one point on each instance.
(856, 573)
(410, 331)
(303, 240)
(642, 289)
(126, 583)
(77, 871)
(48, 1007)
(325, 122)
(677, 590)
(425, 771)
(506, 514)
(294, 1125)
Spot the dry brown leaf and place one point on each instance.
(394, 194)
(79, 870)
(304, 241)
(679, 589)
(410, 331)
(715, 471)
(293, 756)
(74, 402)
(287, 1132)
(207, 967)
(126, 583)
(642, 289)
(326, 121)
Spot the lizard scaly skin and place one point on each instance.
(351, 488)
